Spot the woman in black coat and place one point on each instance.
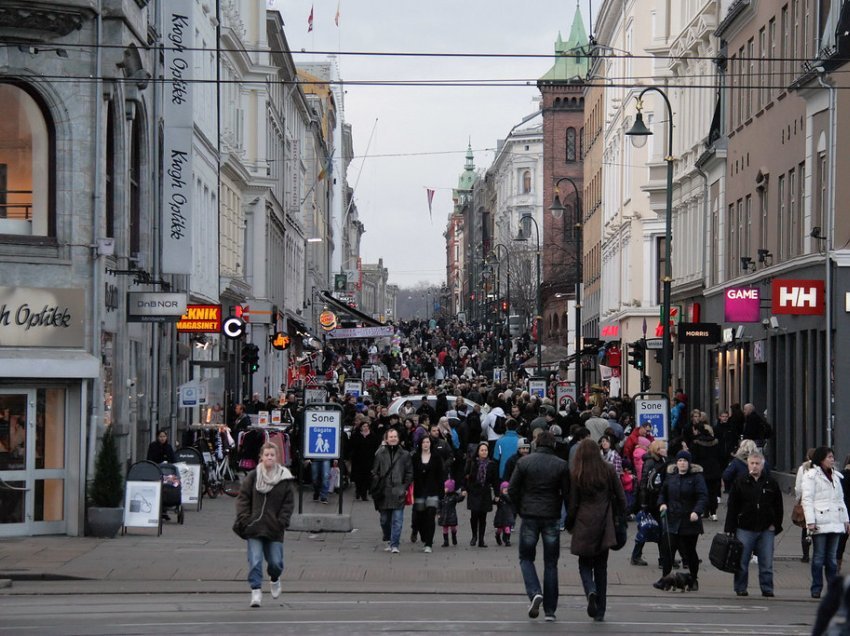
(363, 445)
(428, 479)
(682, 502)
(482, 484)
(707, 452)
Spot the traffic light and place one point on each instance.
(637, 354)
(505, 306)
(250, 358)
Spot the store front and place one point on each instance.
(43, 395)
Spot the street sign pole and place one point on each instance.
(654, 409)
(322, 439)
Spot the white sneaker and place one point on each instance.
(387, 547)
(275, 588)
(427, 549)
(256, 598)
(714, 517)
(394, 550)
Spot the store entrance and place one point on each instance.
(32, 461)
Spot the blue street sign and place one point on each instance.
(322, 434)
(656, 414)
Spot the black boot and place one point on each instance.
(445, 541)
(454, 538)
(498, 538)
(473, 540)
(507, 540)
(481, 543)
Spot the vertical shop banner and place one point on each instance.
(179, 32)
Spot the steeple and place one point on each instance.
(469, 166)
(569, 63)
(463, 192)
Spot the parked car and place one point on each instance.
(396, 404)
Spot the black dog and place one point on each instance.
(676, 581)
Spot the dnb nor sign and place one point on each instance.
(656, 414)
(322, 431)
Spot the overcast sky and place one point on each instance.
(421, 134)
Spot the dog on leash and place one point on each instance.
(680, 581)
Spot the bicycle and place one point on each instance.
(227, 480)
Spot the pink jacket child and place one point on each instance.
(640, 451)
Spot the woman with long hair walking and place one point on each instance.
(428, 480)
(263, 508)
(595, 495)
(482, 484)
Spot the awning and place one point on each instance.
(341, 307)
(47, 363)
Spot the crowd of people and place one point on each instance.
(495, 447)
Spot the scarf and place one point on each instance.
(481, 477)
(268, 480)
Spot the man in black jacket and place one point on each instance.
(539, 487)
(755, 516)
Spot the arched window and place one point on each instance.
(26, 151)
(571, 144)
(526, 182)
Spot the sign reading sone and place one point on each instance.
(322, 434)
(656, 414)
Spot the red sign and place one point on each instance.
(610, 331)
(799, 297)
(200, 319)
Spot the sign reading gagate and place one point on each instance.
(31, 317)
(179, 30)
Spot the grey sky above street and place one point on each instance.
(422, 132)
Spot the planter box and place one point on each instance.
(104, 522)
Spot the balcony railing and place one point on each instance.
(16, 204)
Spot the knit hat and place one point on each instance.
(683, 454)
(504, 485)
(449, 485)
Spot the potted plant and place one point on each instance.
(106, 493)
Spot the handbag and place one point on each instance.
(798, 517)
(408, 497)
(725, 553)
(648, 530)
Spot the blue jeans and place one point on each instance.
(594, 578)
(321, 469)
(531, 530)
(391, 522)
(273, 553)
(760, 543)
(824, 551)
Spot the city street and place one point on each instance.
(191, 581)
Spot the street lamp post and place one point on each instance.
(557, 209)
(537, 318)
(508, 297)
(639, 132)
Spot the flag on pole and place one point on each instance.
(336, 17)
(430, 193)
(327, 168)
(310, 20)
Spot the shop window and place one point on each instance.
(26, 151)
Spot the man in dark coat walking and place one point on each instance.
(539, 486)
(755, 516)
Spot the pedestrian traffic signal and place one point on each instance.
(637, 354)
(250, 358)
(505, 306)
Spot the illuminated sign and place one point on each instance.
(200, 319)
(699, 333)
(742, 304)
(281, 341)
(327, 319)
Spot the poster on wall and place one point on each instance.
(142, 504)
(190, 482)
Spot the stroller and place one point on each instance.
(172, 491)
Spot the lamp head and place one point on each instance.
(557, 208)
(638, 132)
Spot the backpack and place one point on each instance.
(500, 426)
(652, 480)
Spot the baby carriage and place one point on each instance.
(172, 491)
